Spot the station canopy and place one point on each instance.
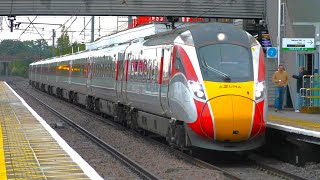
(239, 9)
(304, 15)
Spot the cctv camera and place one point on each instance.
(262, 22)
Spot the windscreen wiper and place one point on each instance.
(225, 76)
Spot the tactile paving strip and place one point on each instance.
(299, 123)
(30, 152)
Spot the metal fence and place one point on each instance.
(310, 91)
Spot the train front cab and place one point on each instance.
(232, 116)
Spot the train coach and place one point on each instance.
(197, 86)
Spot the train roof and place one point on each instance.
(201, 34)
(64, 58)
(95, 52)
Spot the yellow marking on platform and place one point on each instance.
(3, 172)
(294, 122)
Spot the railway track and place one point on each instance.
(146, 174)
(258, 166)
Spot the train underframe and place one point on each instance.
(171, 129)
(176, 133)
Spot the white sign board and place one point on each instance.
(298, 44)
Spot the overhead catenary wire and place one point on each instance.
(85, 26)
(35, 28)
(64, 23)
(64, 31)
(27, 27)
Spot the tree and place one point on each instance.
(63, 43)
(21, 54)
(78, 47)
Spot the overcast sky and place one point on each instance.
(79, 27)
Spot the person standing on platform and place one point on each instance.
(280, 78)
(299, 86)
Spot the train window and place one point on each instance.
(145, 69)
(166, 65)
(140, 65)
(155, 71)
(113, 69)
(97, 70)
(149, 73)
(109, 69)
(220, 62)
(75, 70)
(102, 70)
(178, 65)
(106, 70)
(120, 70)
(131, 70)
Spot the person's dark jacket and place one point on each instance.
(299, 80)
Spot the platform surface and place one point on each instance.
(290, 121)
(30, 148)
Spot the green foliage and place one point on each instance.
(78, 47)
(21, 54)
(64, 45)
(20, 68)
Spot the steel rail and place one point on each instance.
(123, 158)
(178, 153)
(269, 168)
(262, 166)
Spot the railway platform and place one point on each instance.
(30, 148)
(293, 137)
(303, 126)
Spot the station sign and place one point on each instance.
(298, 44)
(272, 52)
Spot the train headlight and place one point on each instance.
(221, 36)
(259, 88)
(198, 90)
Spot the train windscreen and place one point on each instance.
(225, 63)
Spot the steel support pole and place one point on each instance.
(53, 36)
(279, 32)
(92, 28)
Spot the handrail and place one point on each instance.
(316, 89)
(310, 95)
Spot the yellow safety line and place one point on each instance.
(3, 172)
(298, 122)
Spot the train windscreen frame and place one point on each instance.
(225, 63)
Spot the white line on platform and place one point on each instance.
(294, 130)
(87, 169)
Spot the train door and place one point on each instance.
(120, 77)
(124, 77)
(88, 73)
(166, 74)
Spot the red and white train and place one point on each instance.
(198, 86)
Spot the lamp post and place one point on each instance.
(279, 32)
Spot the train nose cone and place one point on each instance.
(232, 116)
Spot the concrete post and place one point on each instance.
(5, 66)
